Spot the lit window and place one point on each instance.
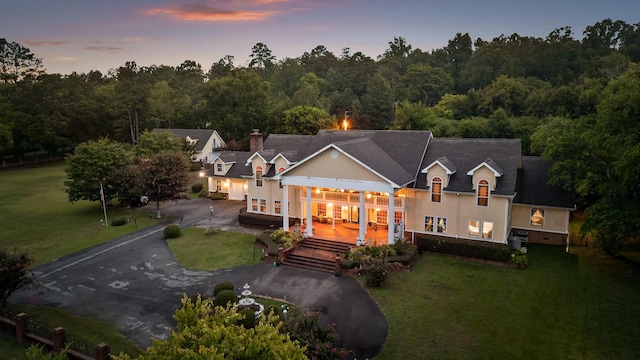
(435, 224)
(436, 190)
(487, 230)
(254, 204)
(481, 227)
(280, 181)
(259, 176)
(397, 216)
(381, 216)
(263, 205)
(474, 228)
(442, 225)
(277, 207)
(218, 185)
(428, 223)
(483, 193)
(322, 209)
(537, 217)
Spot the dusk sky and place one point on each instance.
(84, 35)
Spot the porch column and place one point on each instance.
(309, 231)
(361, 218)
(391, 217)
(285, 208)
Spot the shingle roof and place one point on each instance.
(202, 135)
(533, 187)
(466, 154)
(238, 170)
(396, 155)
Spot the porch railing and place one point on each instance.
(353, 198)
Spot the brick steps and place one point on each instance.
(316, 254)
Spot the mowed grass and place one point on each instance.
(197, 250)
(577, 305)
(36, 215)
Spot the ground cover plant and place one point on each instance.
(578, 305)
(38, 218)
(200, 249)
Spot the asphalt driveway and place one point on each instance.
(135, 282)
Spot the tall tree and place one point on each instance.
(237, 104)
(377, 105)
(307, 120)
(17, 62)
(92, 163)
(163, 176)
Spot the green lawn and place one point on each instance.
(581, 305)
(37, 216)
(197, 250)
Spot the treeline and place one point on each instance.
(505, 87)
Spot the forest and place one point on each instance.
(573, 98)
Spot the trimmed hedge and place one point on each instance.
(467, 248)
(254, 219)
(225, 285)
(225, 297)
(172, 231)
(196, 188)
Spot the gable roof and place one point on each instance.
(446, 164)
(394, 155)
(202, 135)
(534, 189)
(503, 155)
(239, 159)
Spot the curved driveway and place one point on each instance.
(135, 282)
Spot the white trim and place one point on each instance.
(310, 157)
(337, 183)
(484, 163)
(447, 170)
(488, 193)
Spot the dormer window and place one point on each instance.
(436, 190)
(258, 176)
(483, 193)
(219, 168)
(280, 181)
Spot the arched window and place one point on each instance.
(436, 190)
(259, 176)
(483, 193)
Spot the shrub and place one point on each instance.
(285, 239)
(468, 248)
(119, 221)
(172, 232)
(225, 285)
(217, 196)
(224, 297)
(272, 310)
(196, 188)
(321, 342)
(249, 318)
(519, 258)
(376, 272)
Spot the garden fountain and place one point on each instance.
(247, 302)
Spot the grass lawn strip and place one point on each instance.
(197, 250)
(579, 305)
(37, 216)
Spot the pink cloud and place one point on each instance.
(210, 11)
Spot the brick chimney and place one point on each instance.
(255, 141)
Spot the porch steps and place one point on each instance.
(316, 254)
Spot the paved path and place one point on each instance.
(135, 282)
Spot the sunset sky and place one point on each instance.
(84, 35)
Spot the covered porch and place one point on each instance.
(347, 233)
